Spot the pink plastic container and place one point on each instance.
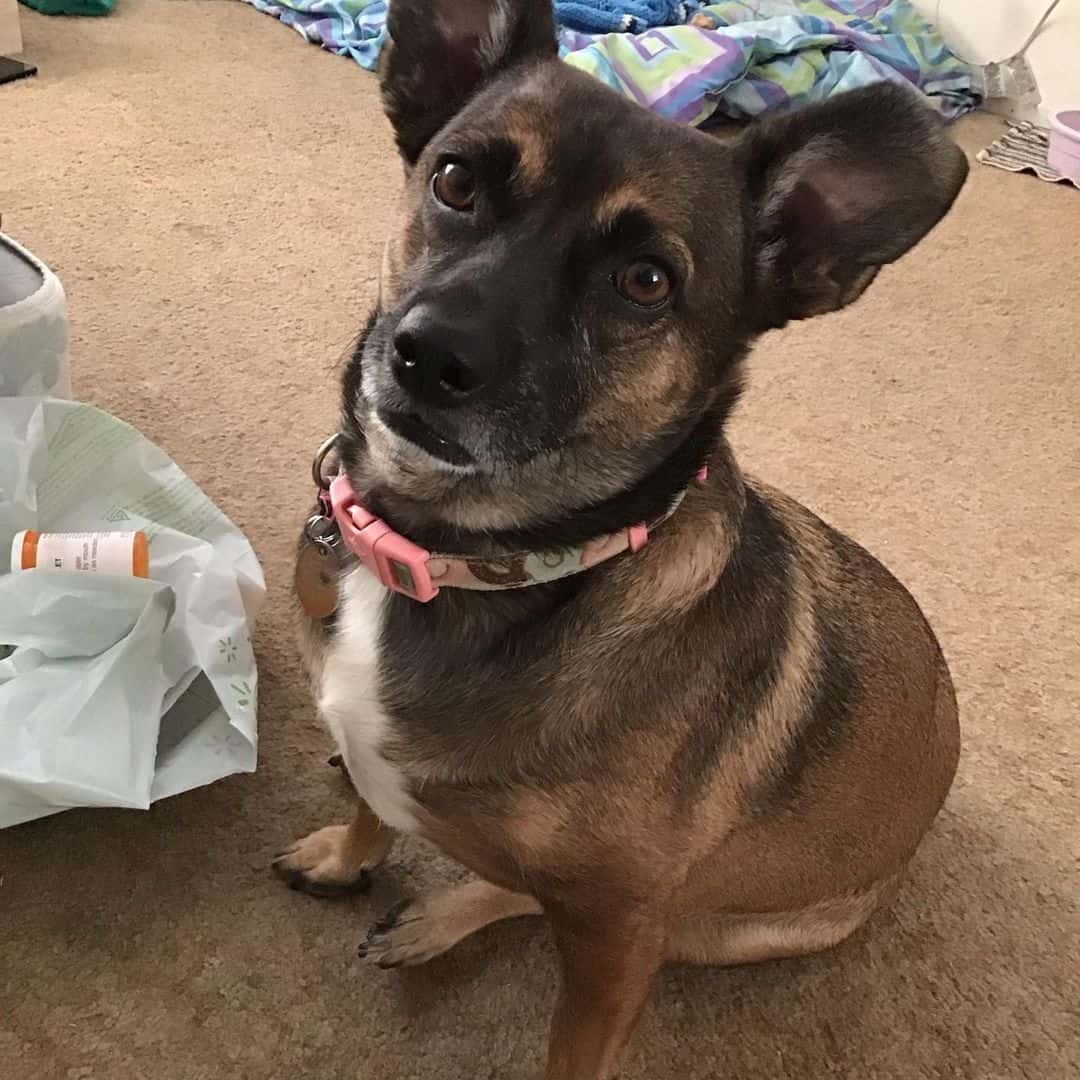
(1064, 152)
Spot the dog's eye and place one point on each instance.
(454, 186)
(644, 283)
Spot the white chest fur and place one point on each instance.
(349, 705)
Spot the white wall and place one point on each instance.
(984, 30)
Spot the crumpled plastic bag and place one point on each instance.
(118, 691)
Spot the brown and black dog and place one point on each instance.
(725, 746)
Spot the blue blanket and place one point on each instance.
(690, 60)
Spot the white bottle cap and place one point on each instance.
(16, 551)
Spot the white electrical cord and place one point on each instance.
(1023, 48)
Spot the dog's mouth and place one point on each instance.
(411, 428)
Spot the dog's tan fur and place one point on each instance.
(337, 858)
(533, 144)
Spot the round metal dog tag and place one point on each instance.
(316, 580)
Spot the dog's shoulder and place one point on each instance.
(840, 568)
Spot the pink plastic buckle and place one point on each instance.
(637, 536)
(399, 564)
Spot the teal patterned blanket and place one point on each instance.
(735, 59)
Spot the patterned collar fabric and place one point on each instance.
(517, 570)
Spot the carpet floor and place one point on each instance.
(214, 194)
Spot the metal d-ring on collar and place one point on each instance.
(321, 529)
(321, 483)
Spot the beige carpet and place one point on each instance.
(213, 193)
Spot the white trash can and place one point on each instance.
(34, 358)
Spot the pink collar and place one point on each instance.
(409, 569)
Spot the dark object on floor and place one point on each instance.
(10, 70)
(71, 7)
(1022, 149)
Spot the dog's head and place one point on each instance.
(577, 279)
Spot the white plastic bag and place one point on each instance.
(119, 691)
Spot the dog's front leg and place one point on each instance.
(608, 967)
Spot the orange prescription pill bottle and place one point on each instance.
(93, 552)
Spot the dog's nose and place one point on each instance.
(441, 361)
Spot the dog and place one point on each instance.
(645, 695)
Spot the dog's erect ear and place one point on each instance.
(838, 190)
(441, 52)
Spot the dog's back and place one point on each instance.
(859, 733)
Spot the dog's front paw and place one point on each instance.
(326, 863)
(416, 930)
(408, 934)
